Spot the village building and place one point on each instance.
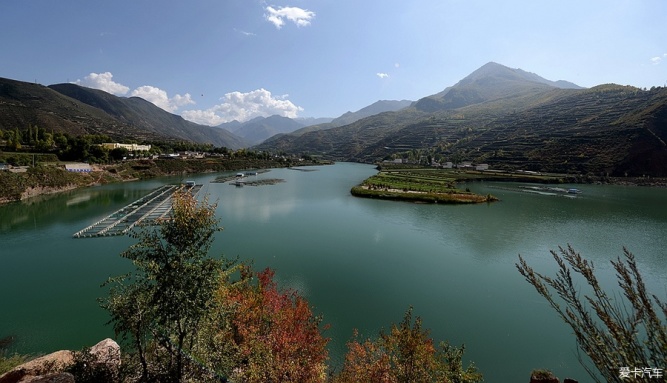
(78, 168)
(129, 147)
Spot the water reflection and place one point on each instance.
(44, 211)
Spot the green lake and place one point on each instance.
(361, 263)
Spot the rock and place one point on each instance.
(47, 364)
(51, 368)
(543, 376)
(568, 380)
(64, 377)
(107, 352)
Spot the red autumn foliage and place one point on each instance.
(277, 337)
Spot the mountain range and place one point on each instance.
(508, 118)
(78, 110)
(259, 129)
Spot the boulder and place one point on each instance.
(51, 368)
(63, 377)
(52, 363)
(543, 376)
(107, 352)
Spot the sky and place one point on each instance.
(214, 61)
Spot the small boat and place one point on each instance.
(238, 183)
(573, 191)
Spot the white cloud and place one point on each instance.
(382, 75)
(103, 81)
(234, 106)
(300, 17)
(160, 98)
(204, 117)
(244, 33)
(657, 59)
(244, 106)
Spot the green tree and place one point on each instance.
(612, 331)
(405, 355)
(15, 142)
(158, 308)
(60, 140)
(46, 143)
(98, 154)
(117, 154)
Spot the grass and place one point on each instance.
(7, 361)
(418, 185)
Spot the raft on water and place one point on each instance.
(147, 210)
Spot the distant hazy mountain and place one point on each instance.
(260, 128)
(308, 121)
(351, 117)
(510, 119)
(77, 110)
(374, 108)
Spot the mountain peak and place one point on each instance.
(499, 71)
(491, 81)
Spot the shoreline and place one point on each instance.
(147, 169)
(448, 198)
(46, 180)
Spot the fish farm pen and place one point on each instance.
(147, 210)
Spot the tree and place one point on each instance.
(265, 334)
(46, 143)
(117, 154)
(159, 308)
(613, 332)
(405, 355)
(14, 143)
(98, 154)
(60, 140)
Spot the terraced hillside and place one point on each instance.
(606, 130)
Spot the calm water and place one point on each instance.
(360, 262)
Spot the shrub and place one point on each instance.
(265, 334)
(405, 354)
(614, 333)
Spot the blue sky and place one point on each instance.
(213, 61)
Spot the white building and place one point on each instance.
(78, 168)
(130, 147)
